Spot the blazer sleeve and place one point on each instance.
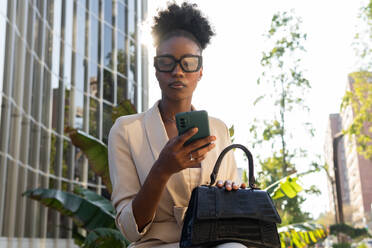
(125, 182)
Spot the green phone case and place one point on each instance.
(188, 120)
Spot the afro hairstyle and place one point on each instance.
(185, 20)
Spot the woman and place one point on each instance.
(151, 170)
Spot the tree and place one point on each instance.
(285, 88)
(359, 97)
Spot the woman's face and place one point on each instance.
(177, 84)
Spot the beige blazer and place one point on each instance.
(134, 144)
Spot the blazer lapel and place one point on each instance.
(155, 130)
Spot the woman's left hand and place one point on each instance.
(229, 185)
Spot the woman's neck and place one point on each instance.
(168, 108)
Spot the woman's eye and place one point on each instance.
(165, 62)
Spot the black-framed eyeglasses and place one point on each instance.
(188, 63)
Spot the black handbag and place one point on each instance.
(215, 216)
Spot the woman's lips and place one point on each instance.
(177, 85)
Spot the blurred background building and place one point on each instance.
(355, 171)
(62, 63)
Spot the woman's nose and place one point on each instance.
(177, 70)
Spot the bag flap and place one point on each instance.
(213, 202)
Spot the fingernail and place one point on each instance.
(228, 187)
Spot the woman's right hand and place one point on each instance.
(175, 156)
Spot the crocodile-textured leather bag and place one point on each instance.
(215, 216)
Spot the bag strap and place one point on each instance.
(250, 164)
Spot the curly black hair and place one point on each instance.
(185, 20)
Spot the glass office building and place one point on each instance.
(62, 63)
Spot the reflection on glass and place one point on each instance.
(106, 122)
(79, 72)
(30, 25)
(107, 49)
(37, 35)
(79, 165)
(93, 5)
(53, 153)
(132, 91)
(94, 38)
(80, 33)
(79, 109)
(66, 159)
(53, 167)
(93, 117)
(42, 148)
(93, 80)
(121, 89)
(35, 89)
(120, 41)
(121, 55)
(108, 11)
(55, 102)
(67, 109)
(133, 68)
(108, 86)
(50, 6)
(45, 106)
(122, 14)
(131, 18)
(67, 65)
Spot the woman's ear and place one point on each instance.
(200, 73)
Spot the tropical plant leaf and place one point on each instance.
(96, 152)
(77, 236)
(124, 108)
(289, 188)
(105, 238)
(85, 213)
(97, 199)
(301, 235)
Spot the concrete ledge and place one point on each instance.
(6, 242)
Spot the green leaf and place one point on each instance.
(85, 213)
(288, 188)
(302, 234)
(97, 199)
(124, 108)
(258, 99)
(105, 238)
(231, 131)
(96, 152)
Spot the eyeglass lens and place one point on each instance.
(187, 64)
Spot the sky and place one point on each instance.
(232, 66)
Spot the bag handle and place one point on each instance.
(250, 164)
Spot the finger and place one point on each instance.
(243, 185)
(235, 186)
(184, 137)
(195, 161)
(228, 185)
(200, 143)
(219, 183)
(202, 151)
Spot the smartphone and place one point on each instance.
(187, 120)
